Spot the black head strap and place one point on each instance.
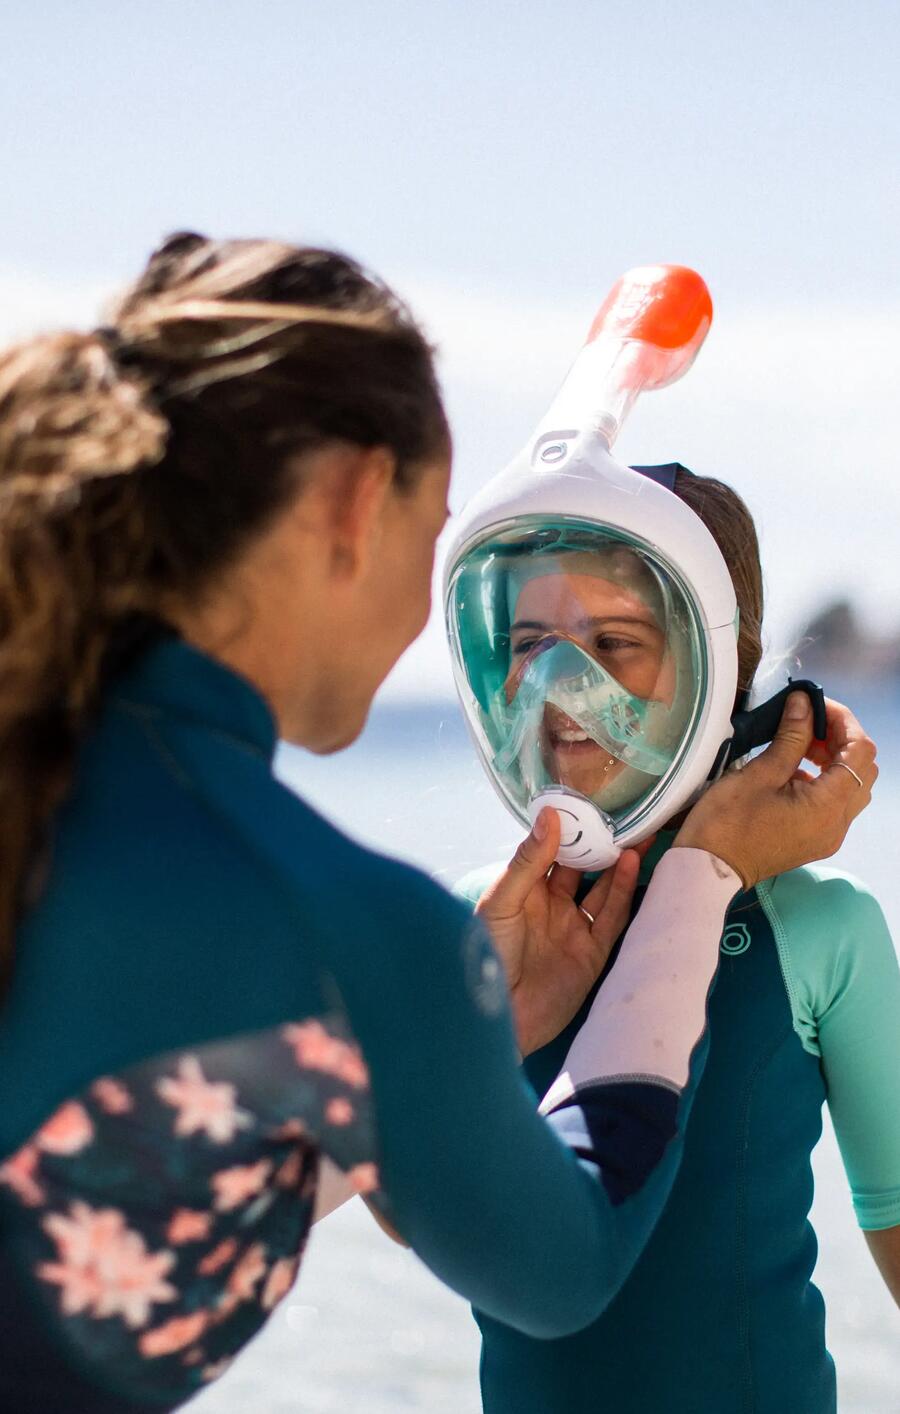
(757, 726)
(662, 475)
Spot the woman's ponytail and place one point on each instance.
(73, 429)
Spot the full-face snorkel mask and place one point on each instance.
(592, 619)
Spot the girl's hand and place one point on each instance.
(553, 950)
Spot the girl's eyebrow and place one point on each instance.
(594, 621)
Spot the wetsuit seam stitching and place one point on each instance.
(744, 1304)
(147, 724)
(147, 715)
(637, 1077)
(785, 962)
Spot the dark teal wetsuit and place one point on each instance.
(214, 990)
(719, 1315)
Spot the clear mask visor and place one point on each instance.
(583, 662)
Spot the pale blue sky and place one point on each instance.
(502, 164)
(507, 144)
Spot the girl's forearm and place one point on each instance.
(651, 1012)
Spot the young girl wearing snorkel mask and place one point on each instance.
(584, 659)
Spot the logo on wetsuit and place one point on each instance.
(735, 939)
(484, 974)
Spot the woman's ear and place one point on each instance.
(354, 486)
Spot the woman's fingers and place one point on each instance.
(644, 846)
(853, 754)
(769, 817)
(847, 759)
(528, 866)
(790, 744)
(564, 881)
(609, 901)
(847, 787)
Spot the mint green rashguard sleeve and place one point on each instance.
(843, 979)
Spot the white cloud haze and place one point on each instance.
(794, 407)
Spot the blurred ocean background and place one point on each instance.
(367, 1329)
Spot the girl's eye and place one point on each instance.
(607, 644)
(524, 646)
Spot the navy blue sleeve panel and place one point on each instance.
(465, 1161)
(622, 1128)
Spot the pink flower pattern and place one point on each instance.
(316, 1049)
(174, 1335)
(201, 1104)
(66, 1131)
(179, 1281)
(291, 1171)
(185, 1225)
(247, 1272)
(291, 1129)
(281, 1278)
(18, 1173)
(215, 1370)
(236, 1186)
(339, 1111)
(112, 1096)
(219, 1257)
(103, 1267)
(363, 1178)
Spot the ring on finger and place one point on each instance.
(844, 767)
(589, 916)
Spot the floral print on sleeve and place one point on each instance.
(161, 1216)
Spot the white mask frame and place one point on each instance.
(646, 335)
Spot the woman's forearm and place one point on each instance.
(479, 1141)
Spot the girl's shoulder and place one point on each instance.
(832, 938)
(819, 907)
(819, 892)
(473, 884)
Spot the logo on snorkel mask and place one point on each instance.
(558, 674)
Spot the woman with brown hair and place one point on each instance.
(719, 1314)
(217, 524)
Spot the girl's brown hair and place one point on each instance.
(731, 525)
(136, 461)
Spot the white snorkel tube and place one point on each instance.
(645, 336)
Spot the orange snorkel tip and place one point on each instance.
(666, 305)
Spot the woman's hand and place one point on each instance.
(771, 815)
(553, 950)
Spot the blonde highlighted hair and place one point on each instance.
(137, 460)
